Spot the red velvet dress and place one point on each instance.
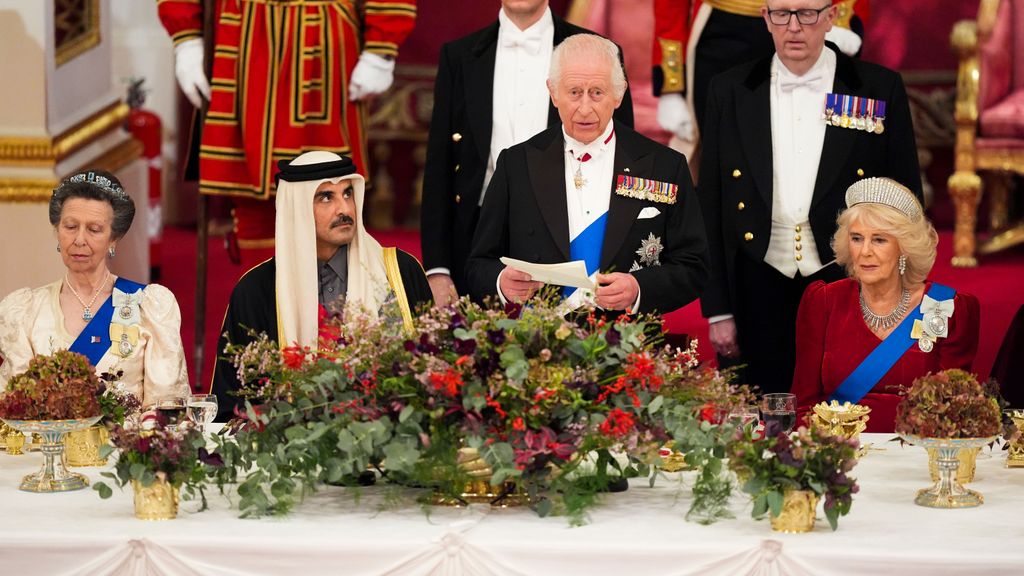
(832, 340)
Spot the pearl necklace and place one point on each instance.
(87, 315)
(877, 322)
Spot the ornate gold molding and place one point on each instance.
(38, 190)
(43, 152)
(76, 28)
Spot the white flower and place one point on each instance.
(767, 454)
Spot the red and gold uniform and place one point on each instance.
(279, 87)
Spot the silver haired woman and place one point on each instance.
(118, 324)
(862, 338)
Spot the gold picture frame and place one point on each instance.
(76, 28)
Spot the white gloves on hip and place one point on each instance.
(188, 67)
(675, 116)
(373, 74)
(846, 39)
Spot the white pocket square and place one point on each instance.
(648, 212)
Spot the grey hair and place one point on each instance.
(75, 187)
(592, 46)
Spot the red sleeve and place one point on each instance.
(672, 21)
(183, 19)
(386, 24)
(961, 344)
(811, 322)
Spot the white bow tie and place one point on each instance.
(789, 82)
(516, 39)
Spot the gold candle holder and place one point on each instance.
(1015, 455)
(846, 420)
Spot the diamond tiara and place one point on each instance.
(884, 191)
(92, 178)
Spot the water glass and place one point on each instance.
(202, 409)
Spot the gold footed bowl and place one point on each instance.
(53, 476)
(158, 501)
(798, 510)
(968, 463)
(478, 489)
(948, 492)
(82, 447)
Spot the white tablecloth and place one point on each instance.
(639, 532)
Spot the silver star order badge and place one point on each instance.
(650, 250)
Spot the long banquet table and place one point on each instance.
(641, 531)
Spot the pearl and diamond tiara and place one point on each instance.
(885, 191)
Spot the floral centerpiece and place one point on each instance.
(546, 401)
(948, 404)
(952, 415)
(159, 463)
(56, 394)
(775, 467)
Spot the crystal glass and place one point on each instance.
(171, 411)
(202, 409)
(778, 412)
(741, 416)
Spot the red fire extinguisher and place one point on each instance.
(145, 126)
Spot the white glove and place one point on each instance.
(373, 74)
(846, 39)
(188, 67)
(674, 115)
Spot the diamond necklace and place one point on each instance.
(87, 315)
(889, 320)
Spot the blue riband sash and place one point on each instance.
(886, 354)
(587, 246)
(94, 341)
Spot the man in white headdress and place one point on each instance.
(323, 258)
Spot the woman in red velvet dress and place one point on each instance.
(888, 249)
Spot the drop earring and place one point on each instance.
(58, 248)
(903, 264)
(110, 253)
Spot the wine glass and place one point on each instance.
(202, 409)
(744, 415)
(171, 411)
(778, 410)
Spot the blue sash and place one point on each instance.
(587, 246)
(94, 341)
(886, 354)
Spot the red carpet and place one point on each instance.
(997, 283)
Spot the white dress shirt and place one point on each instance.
(798, 135)
(520, 98)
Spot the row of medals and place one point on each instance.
(865, 123)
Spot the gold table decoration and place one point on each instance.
(15, 443)
(82, 447)
(968, 463)
(798, 512)
(53, 476)
(1015, 454)
(478, 489)
(5, 430)
(948, 491)
(672, 460)
(846, 420)
(158, 501)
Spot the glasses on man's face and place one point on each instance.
(805, 16)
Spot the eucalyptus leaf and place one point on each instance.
(775, 500)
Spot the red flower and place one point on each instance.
(450, 382)
(518, 424)
(710, 413)
(328, 332)
(293, 357)
(618, 424)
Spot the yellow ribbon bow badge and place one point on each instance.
(123, 339)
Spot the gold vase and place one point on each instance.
(478, 489)
(965, 473)
(158, 501)
(82, 447)
(798, 509)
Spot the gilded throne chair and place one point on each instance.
(989, 118)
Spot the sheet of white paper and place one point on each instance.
(564, 274)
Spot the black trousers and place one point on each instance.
(766, 305)
(727, 41)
